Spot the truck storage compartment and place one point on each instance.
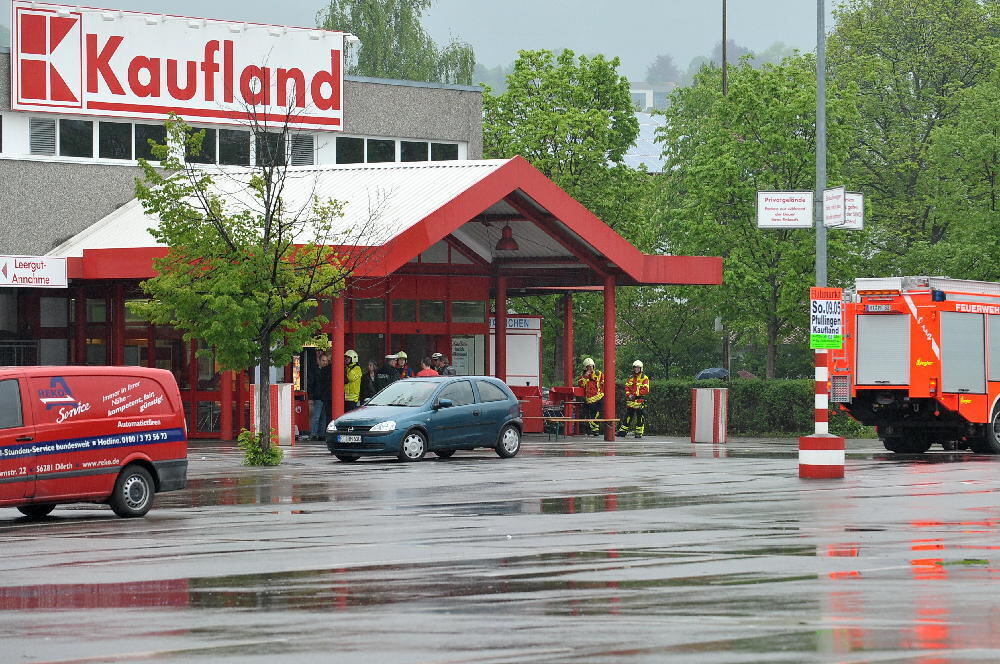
(883, 349)
(963, 353)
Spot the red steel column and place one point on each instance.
(821, 455)
(568, 339)
(226, 399)
(80, 352)
(337, 361)
(118, 324)
(610, 348)
(500, 343)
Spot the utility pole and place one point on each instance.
(820, 141)
(725, 73)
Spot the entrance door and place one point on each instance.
(17, 478)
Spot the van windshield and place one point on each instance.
(404, 393)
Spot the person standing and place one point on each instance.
(326, 393)
(636, 389)
(426, 368)
(386, 374)
(368, 388)
(442, 366)
(352, 381)
(317, 402)
(401, 365)
(592, 382)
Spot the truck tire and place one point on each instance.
(990, 442)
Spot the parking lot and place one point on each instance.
(575, 550)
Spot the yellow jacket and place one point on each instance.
(593, 386)
(352, 383)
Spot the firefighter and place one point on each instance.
(352, 381)
(592, 382)
(636, 389)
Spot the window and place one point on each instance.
(114, 140)
(350, 150)
(10, 405)
(144, 133)
(444, 151)
(234, 147)
(76, 138)
(53, 312)
(207, 153)
(460, 393)
(97, 310)
(468, 312)
(490, 392)
(412, 151)
(404, 311)
(42, 136)
(432, 311)
(270, 148)
(380, 150)
(369, 309)
(303, 150)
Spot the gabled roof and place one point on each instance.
(405, 208)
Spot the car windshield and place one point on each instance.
(404, 393)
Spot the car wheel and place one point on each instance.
(346, 458)
(509, 443)
(444, 454)
(133, 493)
(36, 511)
(413, 447)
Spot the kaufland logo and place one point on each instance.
(130, 64)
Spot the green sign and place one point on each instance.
(827, 341)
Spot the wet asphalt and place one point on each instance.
(576, 550)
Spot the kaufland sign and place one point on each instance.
(83, 61)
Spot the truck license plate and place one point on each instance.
(878, 307)
(352, 438)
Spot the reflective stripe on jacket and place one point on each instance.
(352, 383)
(593, 386)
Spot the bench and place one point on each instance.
(578, 420)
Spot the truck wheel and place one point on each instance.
(36, 511)
(990, 443)
(133, 494)
(894, 444)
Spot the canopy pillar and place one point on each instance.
(567, 339)
(500, 344)
(337, 359)
(610, 350)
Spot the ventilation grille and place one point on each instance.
(42, 136)
(303, 150)
(840, 389)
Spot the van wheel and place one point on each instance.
(133, 494)
(509, 443)
(36, 511)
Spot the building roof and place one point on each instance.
(403, 209)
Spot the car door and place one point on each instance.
(17, 459)
(495, 405)
(456, 425)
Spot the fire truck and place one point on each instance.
(921, 362)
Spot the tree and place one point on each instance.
(244, 264)
(719, 152)
(663, 70)
(394, 43)
(909, 62)
(574, 120)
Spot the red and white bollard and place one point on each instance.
(821, 456)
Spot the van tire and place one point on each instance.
(36, 511)
(133, 494)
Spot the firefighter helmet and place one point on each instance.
(588, 362)
(352, 356)
(401, 355)
(637, 363)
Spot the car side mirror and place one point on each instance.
(444, 403)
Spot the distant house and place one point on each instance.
(650, 96)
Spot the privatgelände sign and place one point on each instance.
(784, 209)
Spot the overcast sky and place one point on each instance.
(635, 30)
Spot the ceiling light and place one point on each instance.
(507, 241)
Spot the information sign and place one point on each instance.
(825, 318)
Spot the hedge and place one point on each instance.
(756, 408)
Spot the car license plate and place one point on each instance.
(351, 438)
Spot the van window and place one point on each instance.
(10, 404)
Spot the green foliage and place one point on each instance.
(720, 151)
(254, 454)
(756, 408)
(574, 120)
(394, 43)
(910, 62)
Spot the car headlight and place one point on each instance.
(389, 425)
